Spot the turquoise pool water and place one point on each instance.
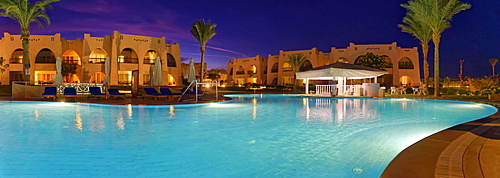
(253, 136)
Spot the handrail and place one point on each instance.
(187, 88)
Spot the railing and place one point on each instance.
(81, 88)
(195, 83)
(325, 89)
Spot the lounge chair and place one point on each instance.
(151, 92)
(70, 92)
(95, 92)
(169, 92)
(114, 93)
(50, 92)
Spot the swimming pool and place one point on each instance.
(255, 135)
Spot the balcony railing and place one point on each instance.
(16, 60)
(97, 60)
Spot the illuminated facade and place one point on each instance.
(127, 53)
(403, 67)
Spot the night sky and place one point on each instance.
(247, 28)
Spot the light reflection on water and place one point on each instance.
(255, 135)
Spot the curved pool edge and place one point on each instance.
(456, 151)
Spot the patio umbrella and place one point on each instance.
(106, 70)
(157, 74)
(151, 75)
(59, 78)
(191, 72)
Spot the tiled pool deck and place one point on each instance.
(468, 150)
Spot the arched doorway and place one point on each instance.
(405, 81)
(45, 56)
(171, 80)
(150, 56)
(17, 57)
(405, 63)
(128, 56)
(98, 56)
(71, 57)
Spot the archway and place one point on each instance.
(128, 56)
(171, 61)
(274, 69)
(305, 66)
(252, 70)
(343, 60)
(240, 71)
(325, 62)
(149, 57)
(231, 71)
(71, 57)
(98, 56)
(45, 56)
(405, 63)
(171, 80)
(17, 57)
(405, 81)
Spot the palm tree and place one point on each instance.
(437, 15)
(493, 62)
(296, 61)
(203, 31)
(423, 33)
(372, 60)
(24, 13)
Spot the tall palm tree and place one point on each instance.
(437, 15)
(423, 33)
(203, 31)
(493, 63)
(24, 13)
(296, 61)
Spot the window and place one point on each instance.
(71, 57)
(128, 56)
(240, 71)
(287, 67)
(150, 57)
(274, 69)
(305, 66)
(171, 61)
(17, 57)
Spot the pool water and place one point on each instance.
(252, 136)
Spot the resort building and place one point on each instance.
(403, 65)
(127, 53)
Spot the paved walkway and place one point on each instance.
(468, 150)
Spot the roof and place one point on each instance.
(340, 70)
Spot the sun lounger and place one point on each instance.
(50, 92)
(95, 92)
(70, 92)
(169, 93)
(114, 93)
(151, 92)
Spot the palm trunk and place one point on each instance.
(425, 51)
(25, 35)
(202, 49)
(294, 82)
(436, 38)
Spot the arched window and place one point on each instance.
(171, 61)
(71, 57)
(45, 56)
(405, 63)
(389, 62)
(98, 56)
(240, 71)
(171, 80)
(128, 56)
(150, 57)
(231, 71)
(305, 66)
(274, 69)
(405, 81)
(17, 57)
(287, 67)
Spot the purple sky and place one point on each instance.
(247, 28)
